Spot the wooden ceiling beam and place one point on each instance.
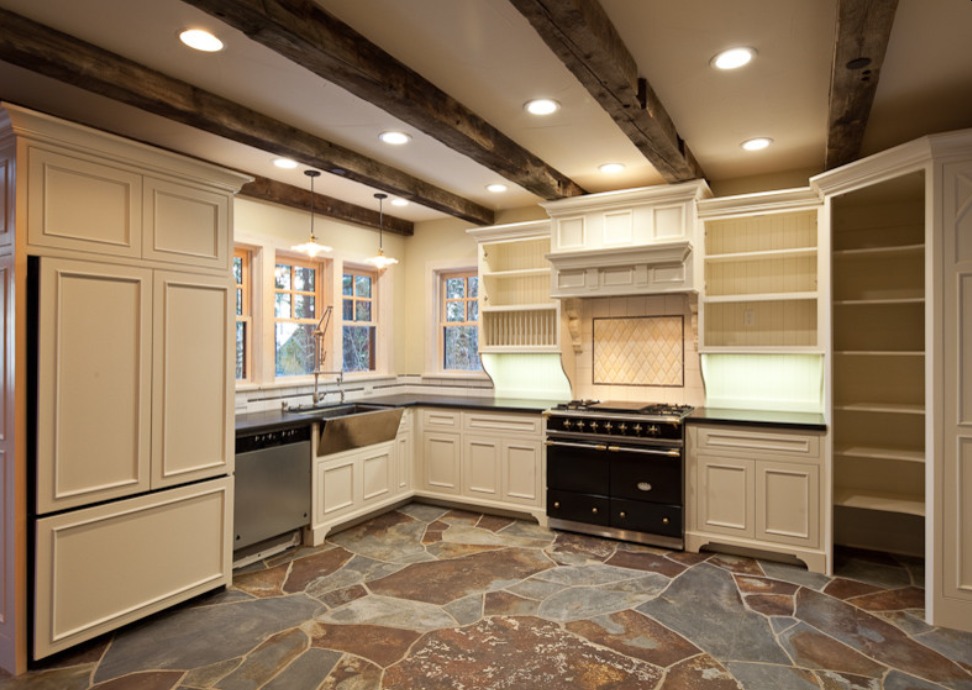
(863, 32)
(304, 33)
(580, 33)
(46, 51)
(265, 189)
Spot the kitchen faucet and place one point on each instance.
(320, 354)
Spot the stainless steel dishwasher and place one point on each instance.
(273, 484)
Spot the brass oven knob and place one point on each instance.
(665, 521)
(637, 429)
(556, 504)
(622, 515)
(653, 430)
(580, 423)
(608, 426)
(568, 424)
(593, 426)
(622, 427)
(594, 511)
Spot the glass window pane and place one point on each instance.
(455, 287)
(473, 286)
(455, 311)
(239, 302)
(362, 311)
(304, 279)
(304, 307)
(359, 348)
(461, 348)
(347, 310)
(294, 349)
(474, 311)
(240, 350)
(281, 276)
(347, 284)
(362, 286)
(281, 305)
(238, 269)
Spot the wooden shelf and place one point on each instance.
(757, 256)
(761, 297)
(542, 306)
(870, 302)
(517, 273)
(876, 453)
(881, 407)
(891, 503)
(880, 353)
(879, 252)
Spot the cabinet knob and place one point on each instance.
(665, 521)
(556, 504)
(644, 486)
(594, 511)
(622, 515)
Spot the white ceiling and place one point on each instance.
(485, 54)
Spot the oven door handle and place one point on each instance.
(672, 453)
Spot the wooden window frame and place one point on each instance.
(318, 294)
(244, 315)
(355, 271)
(444, 323)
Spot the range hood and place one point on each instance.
(632, 242)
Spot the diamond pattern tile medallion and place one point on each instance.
(641, 351)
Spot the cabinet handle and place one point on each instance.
(665, 521)
(644, 486)
(556, 504)
(594, 511)
(622, 515)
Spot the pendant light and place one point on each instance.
(381, 262)
(312, 247)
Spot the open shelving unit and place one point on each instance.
(761, 283)
(878, 363)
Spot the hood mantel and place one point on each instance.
(633, 242)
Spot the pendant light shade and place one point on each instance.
(380, 261)
(312, 247)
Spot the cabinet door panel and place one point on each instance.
(440, 462)
(521, 471)
(336, 481)
(94, 379)
(727, 502)
(185, 224)
(788, 503)
(403, 461)
(377, 472)
(481, 466)
(193, 379)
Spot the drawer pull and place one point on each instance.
(622, 515)
(594, 511)
(556, 504)
(644, 486)
(665, 521)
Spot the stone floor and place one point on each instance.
(425, 598)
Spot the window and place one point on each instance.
(297, 294)
(358, 311)
(244, 322)
(458, 321)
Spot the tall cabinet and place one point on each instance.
(118, 382)
(901, 373)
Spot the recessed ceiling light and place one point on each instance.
(611, 168)
(399, 202)
(285, 163)
(395, 138)
(542, 106)
(734, 58)
(756, 144)
(496, 188)
(199, 39)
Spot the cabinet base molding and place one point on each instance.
(491, 507)
(314, 535)
(816, 561)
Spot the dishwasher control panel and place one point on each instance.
(268, 439)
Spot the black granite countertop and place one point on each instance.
(279, 419)
(810, 421)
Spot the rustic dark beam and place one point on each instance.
(863, 32)
(55, 54)
(303, 32)
(580, 33)
(265, 189)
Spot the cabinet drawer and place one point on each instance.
(577, 507)
(502, 423)
(655, 481)
(442, 420)
(656, 518)
(758, 442)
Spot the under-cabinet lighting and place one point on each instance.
(200, 39)
(734, 58)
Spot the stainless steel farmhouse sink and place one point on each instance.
(354, 425)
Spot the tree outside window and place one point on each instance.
(358, 311)
(297, 286)
(459, 321)
(244, 321)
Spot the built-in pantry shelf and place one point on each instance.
(882, 407)
(880, 252)
(760, 255)
(880, 453)
(762, 297)
(895, 503)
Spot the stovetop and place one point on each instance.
(625, 407)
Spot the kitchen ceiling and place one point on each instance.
(487, 56)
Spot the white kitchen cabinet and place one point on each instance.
(116, 418)
(405, 453)
(485, 459)
(104, 566)
(757, 488)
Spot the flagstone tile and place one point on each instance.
(461, 517)
(736, 564)
(380, 644)
(957, 645)
(535, 588)
(448, 550)
(577, 549)
(357, 571)
(770, 604)
(72, 678)
(635, 635)
(207, 676)
(874, 569)
(393, 537)
(339, 597)
(266, 661)
(307, 671)
(467, 610)
(263, 583)
(353, 673)
(516, 653)
(576, 603)
(761, 585)
(902, 681)
(646, 561)
(508, 604)
(303, 571)
(687, 557)
(590, 574)
(842, 588)
(891, 600)
(145, 680)
(440, 582)
(389, 612)
(701, 672)
(832, 680)
(753, 676)
(494, 523)
(810, 648)
(423, 511)
(878, 639)
(798, 575)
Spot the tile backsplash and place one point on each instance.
(639, 351)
